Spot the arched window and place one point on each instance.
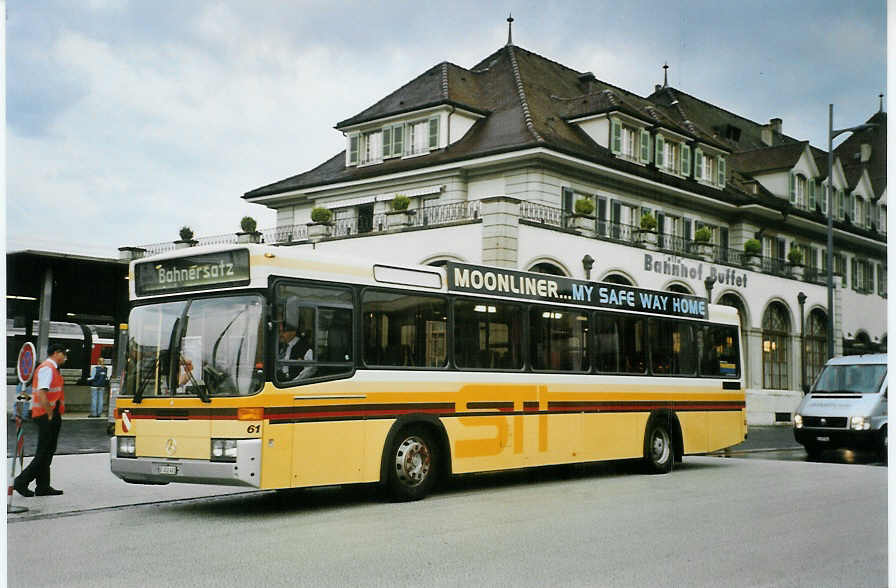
(735, 301)
(546, 267)
(618, 279)
(816, 340)
(861, 344)
(679, 288)
(776, 348)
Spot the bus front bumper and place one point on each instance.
(246, 471)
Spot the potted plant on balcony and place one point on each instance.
(647, 231)
(795, 257)
(702, 238)
(582, 218)
(398, 216)
(186, 238)
(248, 234)
(752, 251)
(320, 224)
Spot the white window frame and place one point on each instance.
(371, 148)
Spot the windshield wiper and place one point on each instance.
(177, 340)
(138, 395)
(201, 389)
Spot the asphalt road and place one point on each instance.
(737, 522)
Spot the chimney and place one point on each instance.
(776, 124)
(767, 138)
(587, 79)
(865, 152)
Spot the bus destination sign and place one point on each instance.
(224, 269)
(546, 288)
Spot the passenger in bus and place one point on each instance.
(306, 344)
(289, 348)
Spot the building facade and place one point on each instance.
(522, 162)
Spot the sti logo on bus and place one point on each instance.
(193, 272)
(543, 288)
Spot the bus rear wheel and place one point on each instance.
(413, 465)
(659, 453)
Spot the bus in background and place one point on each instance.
(102, 346)
(272, 368)
(88, 345)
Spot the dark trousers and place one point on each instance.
(39, 468)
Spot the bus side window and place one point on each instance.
(404, 330)
(314, 332)
(719, 356)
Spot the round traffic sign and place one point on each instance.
(25, 365)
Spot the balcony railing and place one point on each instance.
(534, 212)
(544, 214)
(446, 213)
(776, 266)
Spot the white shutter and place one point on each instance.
(685, 160)
(722, 171)
(698, 163)
(434, 133)
(398, 139)
(659, 157)
(387, 142)
(353, 143)
(645, 146)
(615, 136)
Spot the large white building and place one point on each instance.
(494, 159)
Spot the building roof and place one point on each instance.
(527, 101)
(849, 152)
(766, 159)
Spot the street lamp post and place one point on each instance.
(830, 187)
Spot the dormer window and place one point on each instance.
(629, 142)
(798, 190)
(709, 169)
(423, 135)
(859, 211)
(404, 139)
(372, 147)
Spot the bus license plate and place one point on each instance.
(166, 469)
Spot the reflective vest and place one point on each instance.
(54, 395)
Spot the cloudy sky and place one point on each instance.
(129, 119)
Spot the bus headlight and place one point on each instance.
(859, 423)
(127, 447)
(798, 421)
(224, 450)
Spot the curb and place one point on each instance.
(761, 450)
(71, 513)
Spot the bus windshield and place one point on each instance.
(851, 379)
(203, 347)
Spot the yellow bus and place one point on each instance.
(279, 367)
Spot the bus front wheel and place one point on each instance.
(412, 465)
(659, 452)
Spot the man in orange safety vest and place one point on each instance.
(47, 406)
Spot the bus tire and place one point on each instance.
(413, 461)
(659, 450)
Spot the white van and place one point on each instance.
(846, 407)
